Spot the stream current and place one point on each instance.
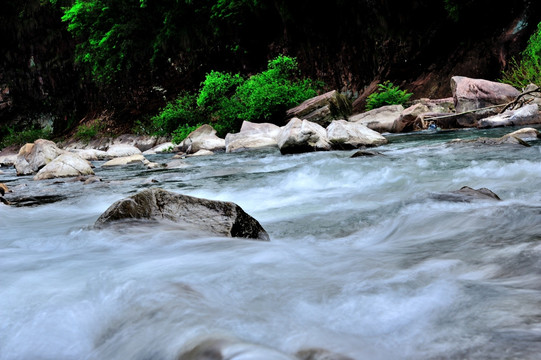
(364, 261)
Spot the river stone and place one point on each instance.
(320, 354)
(252, 136)
(300, 136)
(410, 119)
(125, 160)
(202, 138)
(526, 134)
(91, 154)
(224, 348)
(348, 135)
(210, 216)
(65, 165)
(472, 94)
(526, 115)
(3, 189)
(122, 150)
(166, 147)
(380, 119)
(33, 157)
(466, 194)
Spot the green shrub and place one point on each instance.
(182, 132)
(528, 69)
(387, 94)
(182, 110)
(87, 132)
(13, 137)
(217, 87)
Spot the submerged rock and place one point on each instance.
(466, 194)
(320, 354)
(210, 216)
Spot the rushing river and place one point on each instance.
(364, 261)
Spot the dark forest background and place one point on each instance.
(64, 62)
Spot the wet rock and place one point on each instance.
(366, 153)
(92, 180)
(348, 135)
(201, 153)
(320, 354)
(466, 194)
(8, 156)
(526, 134)
(526, 115)
(3, 190)
(177, 164)
(504, 140)
(141, 142)
(209, 216)
(322, 109)
(125, 160)
(222, 348)
(380, 119)
(410, 119)
(65, 165)
(33, 157)
(300, 136)
(122, 150)
(252, 136)
(203, 138)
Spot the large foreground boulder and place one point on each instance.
(344, 135)
(300, 136)
(65, 165)
(191, 213)
(33, 157)
(380, 119)
(203, 138)
(322, 109)
(252, 136)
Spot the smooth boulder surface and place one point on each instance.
(410, 119)
(380, 119)
(65, 165)
(527, 133)
(252, 136)
(526, 115)
(122, 150)
(33, 157)
(347, 135)
(125, 160)
(191, 213)
(300, 136)
(322, 109)
(466, 194)
(202, 138)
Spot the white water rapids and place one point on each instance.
(363, 260)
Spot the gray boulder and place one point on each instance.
(33, 157)
(191, 213)
(410, 119)
(380, 119)
(252, 136)
(322, 109)
(300, 136)
(526, 115)
(348, 135)
(122, 150)
(125, 160)
(526, 134)
(473, 94)
(65, 165)
(203, 138)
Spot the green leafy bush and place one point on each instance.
(13, 137)
(182, 132)
(387, 94)
(181, 111)
(528, 69)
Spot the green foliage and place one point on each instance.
(87, 132)
(387, 94)
(13, 137)
(183, 110)
(182, 132)
(528, 69)
(225, 100)
(451, 7)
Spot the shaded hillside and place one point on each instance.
(350, 45)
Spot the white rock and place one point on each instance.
(347, 135)
(65, 165)
(380, 119)
(125, 160)
(122, 150)
(302, 136)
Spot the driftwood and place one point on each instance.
(505, 106)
